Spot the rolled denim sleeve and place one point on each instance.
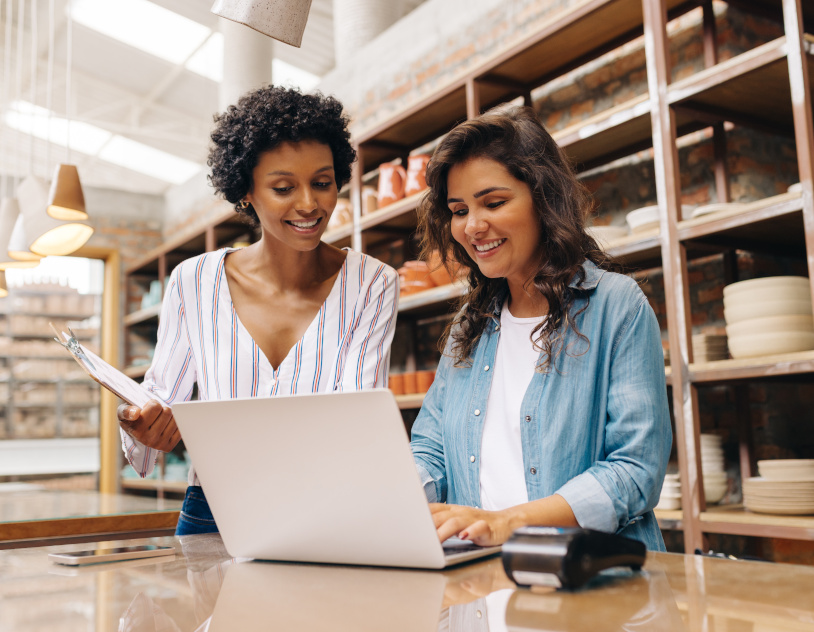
(427, 440)
(637, 433)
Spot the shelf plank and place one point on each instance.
(414, 400)
(143, 315)
(736, 520)
(391, 211)
(670, 519)
(338, 234)
(433, 296)
(154, 485)
(752, 368)
(639, 249)
(136, 371)
(621, 130)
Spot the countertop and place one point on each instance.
(203, 588)
(29, 515)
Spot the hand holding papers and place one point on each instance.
(111, 378)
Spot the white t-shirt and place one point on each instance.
(502, 475)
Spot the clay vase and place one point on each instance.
(396, 383)
(424, 380)
(392, 179)
(414, 276)
(416, 174)
(410, 384)
(369, 200)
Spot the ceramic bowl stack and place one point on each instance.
(605, 236)
(712, 465)
(718, 207)
(769, 316)
(709, 347)
(670, 497)
(647, 218)
(785, 486)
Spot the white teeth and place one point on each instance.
(304, 224)
(490, 245)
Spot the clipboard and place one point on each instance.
(100, 371)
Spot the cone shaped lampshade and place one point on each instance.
(3, 285)
(66, 200)
(283, 20)
(9, 213)
(44, 234)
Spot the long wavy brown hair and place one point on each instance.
(515, 138)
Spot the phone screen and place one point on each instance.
(118, 550)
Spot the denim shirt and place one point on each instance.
(595, 428)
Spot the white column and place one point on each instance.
(356, 22)
(247, 57)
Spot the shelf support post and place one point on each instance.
(801, 111)
(356, 198)
(472, 98)
(674, 257)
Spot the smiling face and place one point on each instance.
(294, 193)
(493, 218)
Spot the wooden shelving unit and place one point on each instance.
(764, 88)
(768, 87)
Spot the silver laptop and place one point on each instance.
(324, 478)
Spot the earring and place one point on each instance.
(242, 205)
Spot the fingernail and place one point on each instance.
(463, 535)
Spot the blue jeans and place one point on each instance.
(196, 517)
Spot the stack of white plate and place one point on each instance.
(717, 207)
(670, 493)
(712, 465)
(606, 235)
(769, 315)
(647, 218)
(785, 486)
(709, 347)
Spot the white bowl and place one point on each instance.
(752, 326)
(714, 492)
(786, 469)
(647, 217)
(606, 235)
(780, 293)
(716, 207)
(766, 309)
(797, 187)
(770, 343)
(763, 283)
(668, 502)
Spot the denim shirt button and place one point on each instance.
(477, 412)
(486, 368)
(497, 327)
(528, 417)
(472, 458)
(533, 470)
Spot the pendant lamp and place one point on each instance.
(44, 234)
(3, 285)
(65, 199)
(282, 20)
(9, 213)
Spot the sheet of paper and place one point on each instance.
(111, 378)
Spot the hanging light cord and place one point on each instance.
(6, 87)
(33, 90)
(69, 55)
(19, 78)
(49, 81)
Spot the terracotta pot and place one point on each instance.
(416, 174)
(410, 384)
(396, 383)
(440, 275)
(392, 179)
(424, 380)
(415, 272)
(343, 214)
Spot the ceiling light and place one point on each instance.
(65, 199)
(283, 20)
(44, 234)
(9, 213)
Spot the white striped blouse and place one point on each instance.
(201, 339)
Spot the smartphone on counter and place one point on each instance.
(114, 554)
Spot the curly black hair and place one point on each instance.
(261, 120)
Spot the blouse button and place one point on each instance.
(528, 417)
(533, 470)
(472, 458)
(486, 368)
(478, 614)
(477, 412)
(497, 327)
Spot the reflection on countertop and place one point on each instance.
(203, 588)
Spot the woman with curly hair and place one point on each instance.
(549, 405)
(289, 314)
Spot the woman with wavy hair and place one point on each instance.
(289, 314)
(549, 405)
